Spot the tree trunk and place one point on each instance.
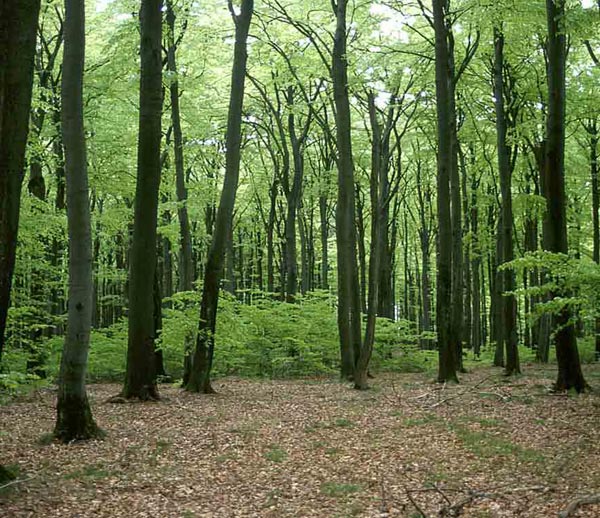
(592, 129)
(140, 377)
(18, 26)
(74, 419)
(567, 354)
(349, 308)
(446, 347)
(186, 269)
(507, 331)
(203, 356)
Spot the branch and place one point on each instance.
(575, 504)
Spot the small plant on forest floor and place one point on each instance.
(95, 471)
(336, 489)
(420, 421)
(276, 454)
(484, 444)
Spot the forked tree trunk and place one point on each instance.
(18, 26)
(199, 380)
(140, 377)
(74, 417)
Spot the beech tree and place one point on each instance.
(74, 417)
(140, 380)
(18, 26)
(199, 380)
(567, 354)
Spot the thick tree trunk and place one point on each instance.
(74, 417)
(18, 26)
(570, 375)
(507, 330)
(445, 123)
(199, 380)
(140, 377)
(349, 308)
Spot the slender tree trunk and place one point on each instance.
(199, 380)
(446, 347)
(570, 375)
(140, 377)
(323, 213)
(592, 129)
(18, 26)
(74, 417)
(186, 270)
(476, 334)
(361, 370)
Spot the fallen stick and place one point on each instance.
(577, 503)
(16, 481)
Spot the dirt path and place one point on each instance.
(407, 448)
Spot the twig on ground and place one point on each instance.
(459, 394)
(577, 503)
(17, 481)
(417, 507)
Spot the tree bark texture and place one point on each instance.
(199, 380)
(140, 378)
(18, 26)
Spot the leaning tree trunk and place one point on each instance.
(446, 347)
(74, 417)
(349, 307)
(567, 354)
(199, 380)
(140, 378)
(507, 332)
(18, 26)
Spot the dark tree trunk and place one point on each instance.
(324, 222)
(199, 380)
(18, 26)
(74, 419)
(592, 129)
(376, 185)
(362, 252)
(140, 377)
(349, 309)
(186, 265)
(476, 334)
(445, 123)
(507, 329)
(567, 354)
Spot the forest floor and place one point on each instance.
(489, 447)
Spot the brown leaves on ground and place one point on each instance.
(489, 447)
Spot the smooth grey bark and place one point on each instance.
(74, 420)
(18, 25)
(569, 374)
(445, 123)
(199, 380)
(140, 377)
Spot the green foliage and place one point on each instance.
(337, 489)
(276, 454)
